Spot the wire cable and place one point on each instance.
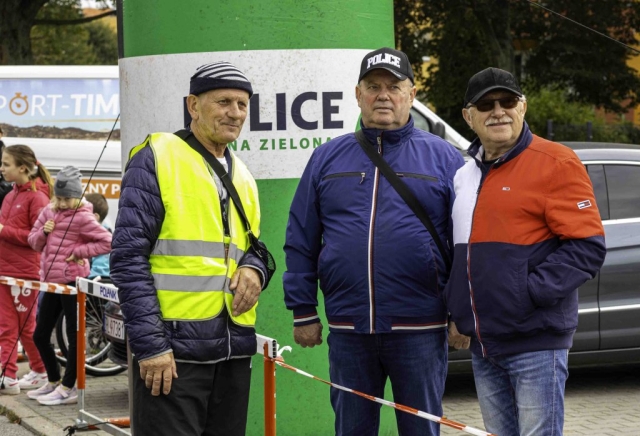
(583, 26)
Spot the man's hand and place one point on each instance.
(1, 227)
(246, 286)
(308, 335)
(456, 339)
(158, 371)
(48, 227)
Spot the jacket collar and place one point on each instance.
(24, 187)
(390, 138)
(84, 206)
(476, 150)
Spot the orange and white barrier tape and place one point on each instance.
(265, 345)
(421, 414)
(55, 288)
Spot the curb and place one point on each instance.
(27, 418)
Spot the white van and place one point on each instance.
(425, 119)
(40, 103)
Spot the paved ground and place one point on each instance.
(602, 401)
(105, 397)
(8, 428)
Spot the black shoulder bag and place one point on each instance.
(404, 192)
(258, 246)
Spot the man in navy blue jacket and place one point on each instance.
(380, 270)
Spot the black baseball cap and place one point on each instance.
(487, 80)
(394, 61)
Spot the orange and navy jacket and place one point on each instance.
(527, 233)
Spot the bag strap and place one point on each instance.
(188, 137)
(403, 190)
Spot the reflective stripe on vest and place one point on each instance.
(188, 261)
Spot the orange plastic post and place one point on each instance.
(269, 394)
(81, 342)
(119, 422)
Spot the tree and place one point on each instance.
(72, 44)
(541, 49)
(17, 19)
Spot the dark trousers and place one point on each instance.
(416, 365)
(205, 400)
(50, 308)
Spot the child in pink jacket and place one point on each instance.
(68, 235)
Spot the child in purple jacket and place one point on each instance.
(68, 235)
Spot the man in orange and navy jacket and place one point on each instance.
(527, 233)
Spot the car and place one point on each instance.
(609, 311)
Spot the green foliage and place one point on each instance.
(104, 42)
(548, 104)
(570, 119)
(92, 43)
(590, 67)
(545, 51)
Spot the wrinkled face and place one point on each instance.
(218, 115)
(384, 100)
(498, 126)
(11, 172)
(64, 203)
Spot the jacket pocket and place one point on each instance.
(501, 298)
(71, 271)
(417, 176)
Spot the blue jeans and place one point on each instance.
(416, 364)
(522, 394)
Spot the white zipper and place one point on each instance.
(376, 178)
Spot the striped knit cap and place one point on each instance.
(218, 75)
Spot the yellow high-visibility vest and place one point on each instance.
(188, 262)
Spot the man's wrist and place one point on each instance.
(305, 315)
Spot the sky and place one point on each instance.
(95, 4)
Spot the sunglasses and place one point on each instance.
(488, 104)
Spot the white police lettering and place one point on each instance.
(387, 59)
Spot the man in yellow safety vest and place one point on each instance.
(188, 278)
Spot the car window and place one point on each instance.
(420, 121)
(599, 182)
(623, 186)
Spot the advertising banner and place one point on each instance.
(289, 115)
(64, 102)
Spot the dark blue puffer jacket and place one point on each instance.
(140, 217)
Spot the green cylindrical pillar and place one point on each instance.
(303, 59)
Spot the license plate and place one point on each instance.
(114, 327)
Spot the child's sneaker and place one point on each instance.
(44, 390)
(33, 380)
(9, 386)
(61, 395)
